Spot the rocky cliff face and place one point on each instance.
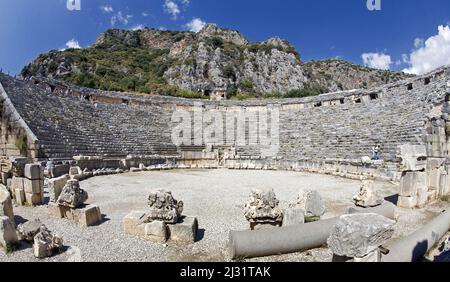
(198, 64)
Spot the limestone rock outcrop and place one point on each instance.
(214, 59)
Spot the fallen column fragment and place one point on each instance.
(274, 241)
(416, 245)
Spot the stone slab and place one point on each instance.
(33, 186)
(88, 216)
(6, 208)
(411, 182)
(132, 223)
(407, 202)
(156, 231)
(184, 231)
(55, 186)
(293, 216)
(17, 183)
(8, 233)
(33, 199)
(20, 197)
(357, 235)
(34, 171)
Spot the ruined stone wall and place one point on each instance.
(315, 131)
(16, 138)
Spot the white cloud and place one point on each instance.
(107, 9)
(138, 27)
(186, 2)
(433, 53)
(418, 43)
(377, 60)
(172, 8)
(144, 14)
(71, 44)
(120, 18)
(195, 25)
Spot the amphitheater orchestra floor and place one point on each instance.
(215, 197)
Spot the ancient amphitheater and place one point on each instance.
(322, 143)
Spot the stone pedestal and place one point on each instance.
(184, 231)
(89, 215)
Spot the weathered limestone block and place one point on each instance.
(156, 230)
(18, 166)
(46, 244)
(134, 223)
(75, 172)
(413, 157)
(17, 183)
(312, 203)
(368, 196)
(5, 176)
(72, 195)
(34, 171)
(55, 210)
(411, 182)
(293, 216)
(55, 186)
(20, 197)
(59, 170)
(88, 216)
(6, 208)
(262, 209)
(184, 231)
(26, 231)
(34, 199)
(357, 235)
(8, 235)
(164, 207)
(33, 186)
(407, 202)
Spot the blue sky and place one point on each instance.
(403, 35)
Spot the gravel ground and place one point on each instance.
(215, 197)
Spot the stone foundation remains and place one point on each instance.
(163, 221)
(70, 205)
